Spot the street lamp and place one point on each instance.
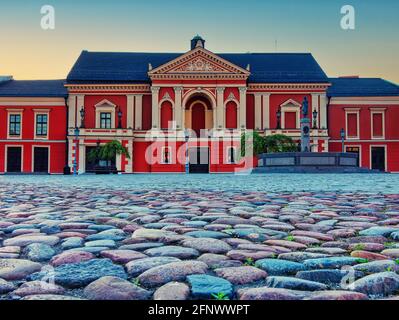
(315, 113)
(119, 119)
(278, 118)
(187, 138)
(75, 162)
(82, 117)
(342, 132)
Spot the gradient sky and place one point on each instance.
(28, 52)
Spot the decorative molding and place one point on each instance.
(290, 102)
(107, 87)
(288, 86)
(204, 63)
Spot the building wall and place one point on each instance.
(364, 108)
(55, 140)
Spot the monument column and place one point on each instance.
(155, 107)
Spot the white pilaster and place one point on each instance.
(266, 111)
(243, 108)
(258, 111)
(82, 157)
(138, 118)
(129, 165)
(155, 107)
(71, 111)
(220, 107)
(178, 108)
(323, 111)
(80, 103)
(130, 111)
(315, 107)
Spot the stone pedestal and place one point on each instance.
(305, 135)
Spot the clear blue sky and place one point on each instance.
(372, 49)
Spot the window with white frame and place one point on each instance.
(352, 124)
(41, 125)
(105, 120)
(377, 124)
(14, 127)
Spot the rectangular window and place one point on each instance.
(231, 155)
(15, 125)
(41, 124)
(105, 120)
(378, 126)
(352, 129)
(166, 155)
(290, 120)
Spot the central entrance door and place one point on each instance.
(40, 160)
(14, 159)
(199, 160)
(378, 158)
(355, 150)
(198, 118)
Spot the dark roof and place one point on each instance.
(108, 67)
(362, 87)
(33, 88)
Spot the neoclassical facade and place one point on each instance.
(168, 109)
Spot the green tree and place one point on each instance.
(108, 152)
(252, 144)
(280, 143)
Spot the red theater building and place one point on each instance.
(164, 106)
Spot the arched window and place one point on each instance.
(166, 115)
(231, 115)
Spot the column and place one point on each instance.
(178, 108)
(220, 108)
(266, 111)
(155, 107)
(80, 103)
(129, 162)
(258, 111)
(243, 108)
(138, 118)
(130, 111)
(82, 157)
(71, 111)
(315, 107)
(323, 111)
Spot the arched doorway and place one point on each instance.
(199, 114)
(166, 115)
(198, 111)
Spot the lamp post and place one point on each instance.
(119, 119)
(187, 138)
(82, 117)
(315, 113)
(278, 118)
(342, 132)
(75, 162)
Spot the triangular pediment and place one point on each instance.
(199, 61)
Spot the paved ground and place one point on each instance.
(78, 242)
